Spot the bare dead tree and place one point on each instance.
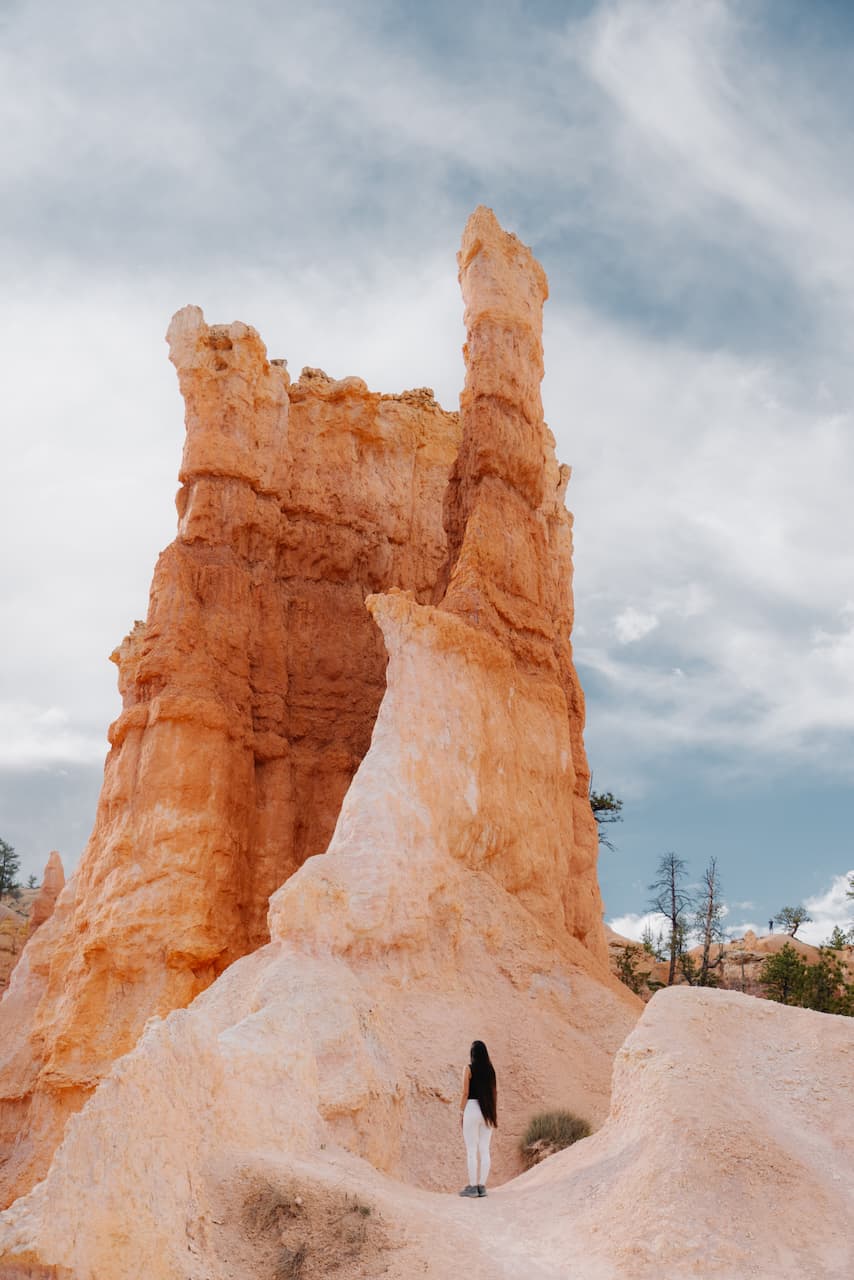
(673, 901)
(708, 922)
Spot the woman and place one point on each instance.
(478, 1116)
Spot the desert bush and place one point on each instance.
(550, 1132)
(304, 1231)
(290, 1264)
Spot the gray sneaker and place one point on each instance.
(469, 1191)
(481, 1189)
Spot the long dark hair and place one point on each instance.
(482, 1085)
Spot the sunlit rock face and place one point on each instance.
(459, 877)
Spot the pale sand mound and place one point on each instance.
(729, 1151)
(728, 1154)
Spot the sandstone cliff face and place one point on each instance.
(458, 892)
(20, 918)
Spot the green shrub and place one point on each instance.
(823, 986)
(627, 970)
(550, 1132)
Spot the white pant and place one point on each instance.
(478, 1135)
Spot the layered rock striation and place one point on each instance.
(457, 895)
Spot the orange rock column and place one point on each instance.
(509, 533)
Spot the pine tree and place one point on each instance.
(823, 983)
(791, 919)
(782, 976)
(606, 809)
(9, 865)
(627, 963)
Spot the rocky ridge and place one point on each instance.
(737, 963)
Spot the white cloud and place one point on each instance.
(714, 120)
(828, 909)
(42, 736)
(634, 924)
(742, 535)
(632, 624)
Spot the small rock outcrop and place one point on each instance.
(257, 683)
(14, 928)
(53, 882)
(32, 908)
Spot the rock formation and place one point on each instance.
(250, 697)
(19, 922)
(315, 1081)
(704, 1167)
(510, 566)
(53, 882)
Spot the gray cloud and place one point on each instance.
(52, 807)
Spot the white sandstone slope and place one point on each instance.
(727, 1155)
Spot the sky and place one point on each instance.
(684, 169)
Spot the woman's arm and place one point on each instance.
(465, 1096)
